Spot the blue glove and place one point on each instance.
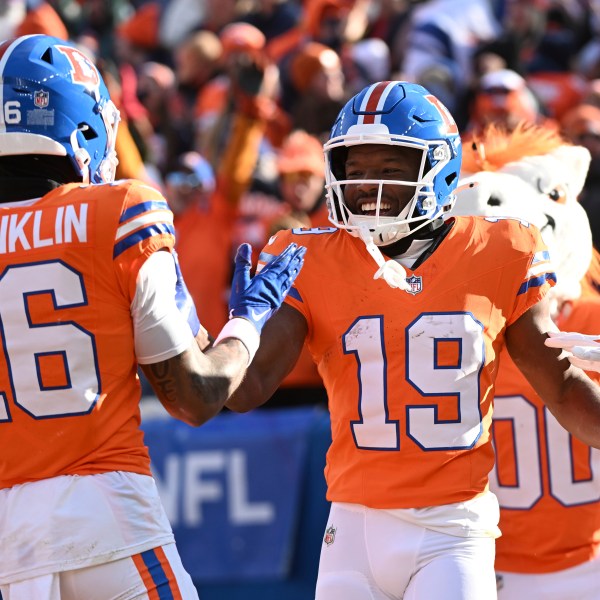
(257, 298)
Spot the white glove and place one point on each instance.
(584, 349)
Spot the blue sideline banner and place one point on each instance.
(232, 488)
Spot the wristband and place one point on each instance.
(242, 330)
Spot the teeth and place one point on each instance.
(372, 206)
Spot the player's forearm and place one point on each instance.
(194, 386)
(250, 394)
(280, 346)
(577, 408)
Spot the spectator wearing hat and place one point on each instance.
(502, 97)
(301, 203)
(318, 81)
(581, 126)
(297, 198)
(301, 170)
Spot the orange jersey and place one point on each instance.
(410, 377)
(69, 389)
(547, 482)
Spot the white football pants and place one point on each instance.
(373, 555)
(156, 573)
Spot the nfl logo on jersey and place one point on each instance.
(329, 535)
(416, 284)
(41, 99)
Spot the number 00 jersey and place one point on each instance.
(410, 377)
(547, 482)
(69, 391)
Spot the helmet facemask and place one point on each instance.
(106, 170)
(420, 210)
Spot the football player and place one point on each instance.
(90, 288)
(405, 313)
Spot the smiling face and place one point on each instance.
(376, 162)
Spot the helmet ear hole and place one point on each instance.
(88, 132)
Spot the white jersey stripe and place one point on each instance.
(155, 216)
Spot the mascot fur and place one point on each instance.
(535, 175)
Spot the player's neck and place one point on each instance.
(418, 242)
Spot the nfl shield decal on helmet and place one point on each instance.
(416, 284)
(329, 535)
(41, 98)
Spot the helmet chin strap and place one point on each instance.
(390, 271)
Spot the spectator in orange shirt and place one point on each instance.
(247, 74)
(504, 98)
(318, 88)
(203, 224)
(301, 170)
(210, 203)
(301, 180)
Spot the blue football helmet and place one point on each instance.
(54, 102)
(396, 113)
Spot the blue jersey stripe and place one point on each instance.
(138, 209)
(159, 577)
(536, 282)
(142, 234)
(294, 293)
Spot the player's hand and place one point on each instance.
(584, 349)
(257, 298)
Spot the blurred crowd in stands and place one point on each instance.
(225, 103)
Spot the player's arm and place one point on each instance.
(194, 383)
(281, 343)
(572, 397)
